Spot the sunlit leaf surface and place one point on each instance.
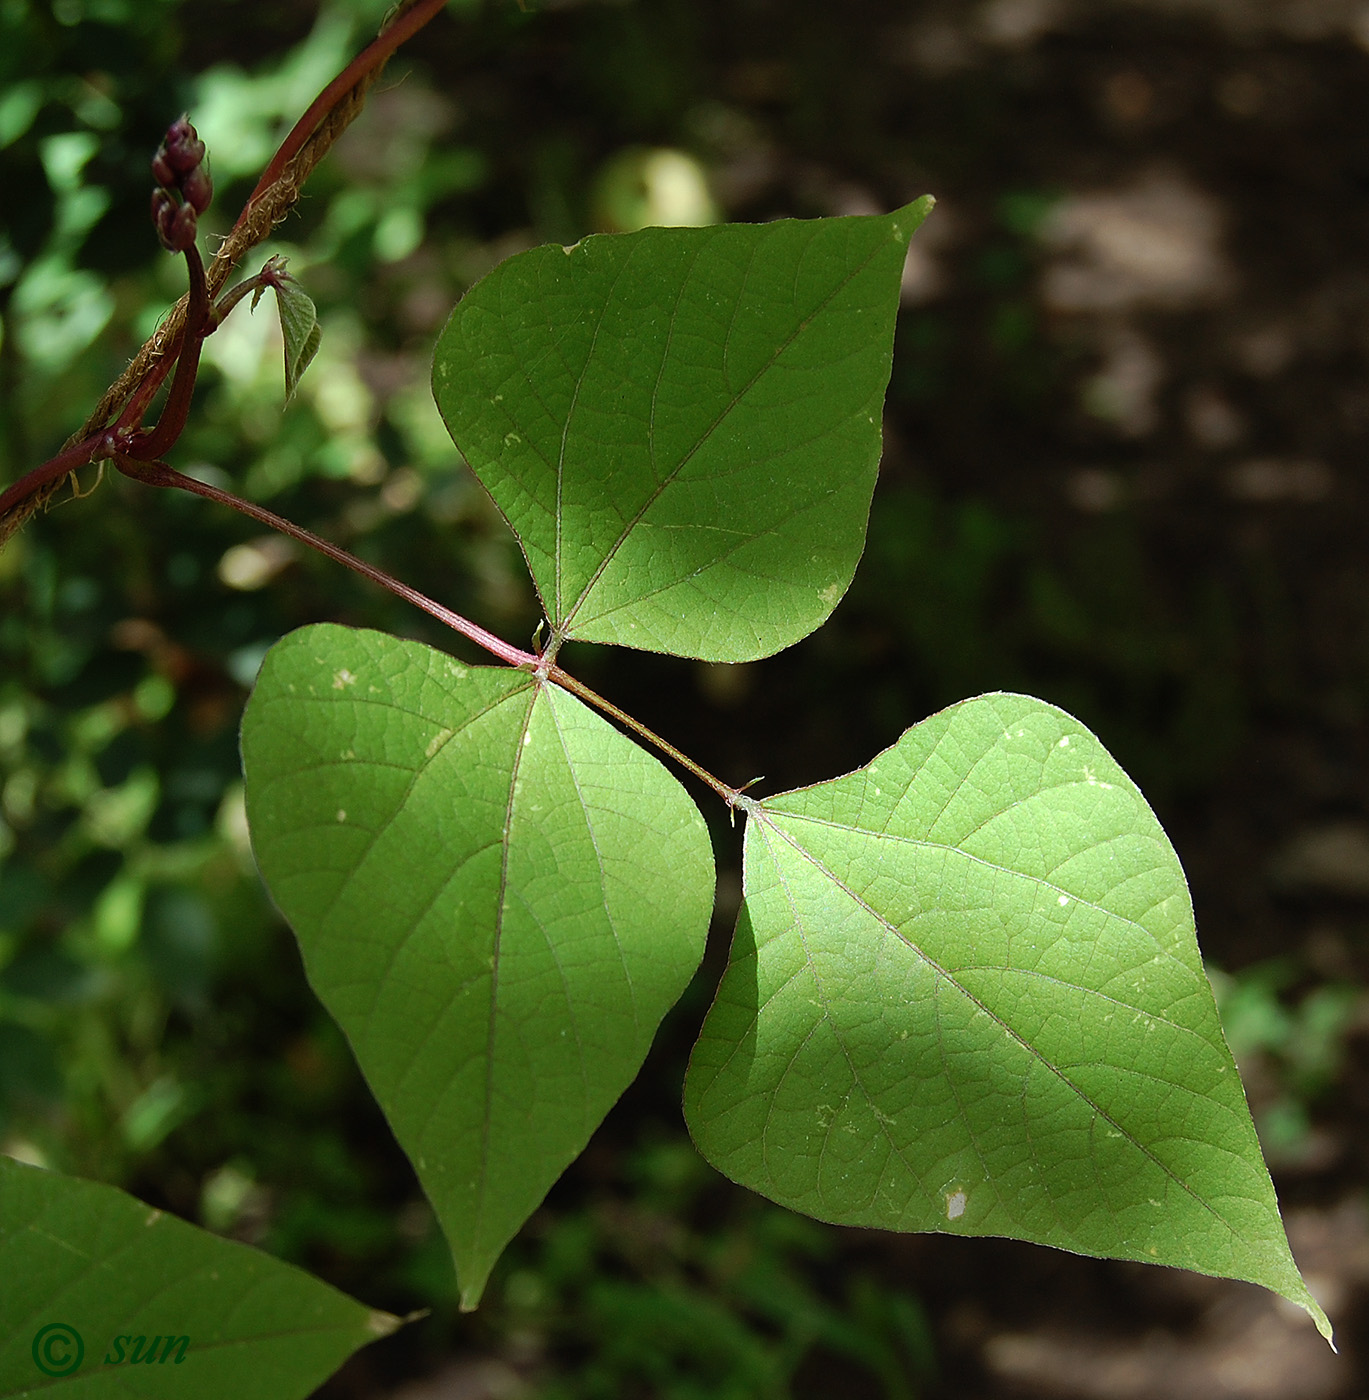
(965, 995)
(682, 426)
(496, 894)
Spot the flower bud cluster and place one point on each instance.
(185, 188)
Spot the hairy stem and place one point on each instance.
(309, 141)
(365, 67)
(254, 286)
(179, 342)
(132, 392)
(78, 454)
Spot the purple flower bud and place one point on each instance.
(197, 188)
(176, 225)
(162, 172)
(183, 228)
(163, 212)
(182, 148)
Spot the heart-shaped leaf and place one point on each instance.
(497, 895)
(682, 426)
(104, 1296)
(965, 995)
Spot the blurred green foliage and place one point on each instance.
(1293, 1036)
(639, 1295)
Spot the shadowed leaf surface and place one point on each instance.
(299, 330)
(91, 1264)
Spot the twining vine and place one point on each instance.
(176, 343)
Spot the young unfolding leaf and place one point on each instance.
(965, 995)
(299, 330)
(682, 426)
(496, 895)
(85, 1265)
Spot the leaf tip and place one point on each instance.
(473, 1270)
(912, 216)
(1294, 1291)
(1320, 1320)
(381, 1324)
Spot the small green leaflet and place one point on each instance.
(496, 894)
(85, 1264)
(965, 995)
(682, 426)
(299, 327)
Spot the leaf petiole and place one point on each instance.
(159, 474)
(732, 796)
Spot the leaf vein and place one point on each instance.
(1007, 1028)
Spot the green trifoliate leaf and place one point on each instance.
(965, 995)
(104, 1296)
(682, 426)
(299, 330)
(497, 895)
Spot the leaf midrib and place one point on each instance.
(564, 625)
(1040, 880)
(487, 1108)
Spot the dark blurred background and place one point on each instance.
(1123, 471)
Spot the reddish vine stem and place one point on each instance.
(131, 394)
(78, 454)
(177, 409)
(179, 343)
(214, 317)
(368, 62)
(146, 391)
(169, 426)
(159, 474)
